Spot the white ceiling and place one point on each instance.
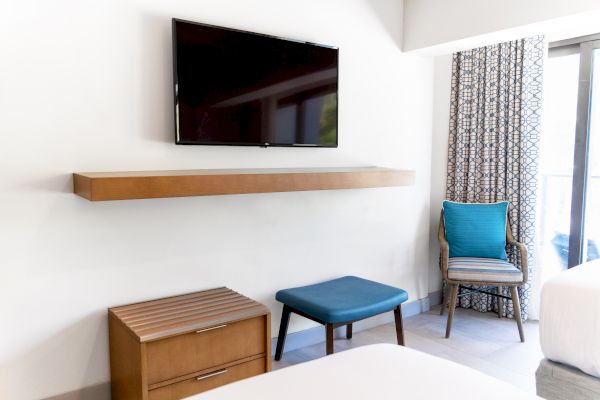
(436, 27)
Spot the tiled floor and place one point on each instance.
(479, 340)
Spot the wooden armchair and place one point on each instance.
(486, 272)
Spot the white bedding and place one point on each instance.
(381, 371)
(570, 318)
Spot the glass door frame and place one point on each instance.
(585, 46)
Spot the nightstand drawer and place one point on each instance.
(159, 347)
(208, 381)
(185, 354)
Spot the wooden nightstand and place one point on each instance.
(175, 347)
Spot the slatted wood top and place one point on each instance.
(170, 316)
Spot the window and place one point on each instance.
(569, 200)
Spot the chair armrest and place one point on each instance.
(523, 257)
(444, 251)
(444, 247)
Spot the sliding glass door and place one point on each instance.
(559, 117)
(569, 181)
(591, 217)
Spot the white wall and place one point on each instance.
(439, 160)
(86, 86)
(447, 26)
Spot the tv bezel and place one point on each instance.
(266, 144)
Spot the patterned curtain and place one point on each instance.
(494, 141)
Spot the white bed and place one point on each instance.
(382, 371)
(570, 318)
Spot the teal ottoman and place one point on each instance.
(340, 302)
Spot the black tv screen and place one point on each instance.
(240, 88)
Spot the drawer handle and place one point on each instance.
(210, 329)
(219, 372)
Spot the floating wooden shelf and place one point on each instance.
(100, 186)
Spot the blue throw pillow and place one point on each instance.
(476, 229)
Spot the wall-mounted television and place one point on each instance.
(239, 88)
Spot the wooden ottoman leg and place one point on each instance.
(285, 319)
(399, 329)
(329, 344)
(349, 331)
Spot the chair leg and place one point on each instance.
(500, 301)
(453, 295)
(349, 331)
(329, 344)
(285, 319)
(399, 329)
(444, 297)
(517, 307)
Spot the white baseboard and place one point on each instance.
(100, 391)
(435, 298)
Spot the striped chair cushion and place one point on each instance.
(483, 270)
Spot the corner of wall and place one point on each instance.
(439, 155)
